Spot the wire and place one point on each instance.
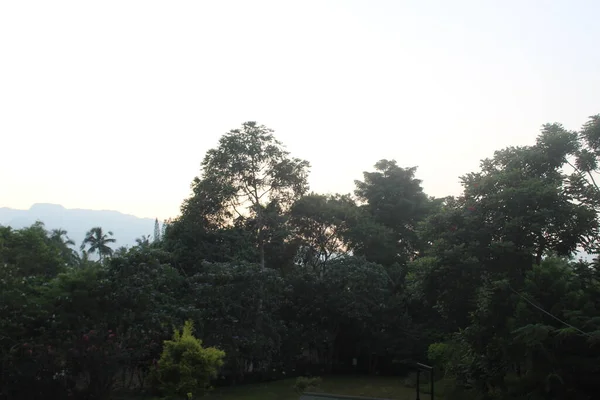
(550, 315)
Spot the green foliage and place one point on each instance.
(33, 252)
(440, 355)
(239, 204)
(238, 306)
(307, 384)
(395, 201)
(249, 172)
(185, 366)
(483, 284)
(87, 329)
(156, 231)
(321, 224)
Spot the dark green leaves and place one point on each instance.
(395, 201)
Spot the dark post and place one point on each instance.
(431, 378)
(425, 368)
(418, 388)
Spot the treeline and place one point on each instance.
(483, 286)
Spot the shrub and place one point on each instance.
(307, 384)
(185, 367)
(440, 354)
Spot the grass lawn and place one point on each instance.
(368, 386)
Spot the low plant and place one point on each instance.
(185, 367)
(307, 384)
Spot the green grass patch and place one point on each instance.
(366, 386)
(349, 385)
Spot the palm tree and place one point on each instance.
(98, 242)
(121, 251)
(143, 242)
(57, 234)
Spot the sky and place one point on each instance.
(113, 104)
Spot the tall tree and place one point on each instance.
(163, 229)
(143, 241)
(581, 151)
(321, 224)
(395, 200)
(98, 242)
(64, 242)
(515, 213)
(156, 231)
(512, 213)
(249, 170)
(61, 236)
(32, 251)
(203, 233)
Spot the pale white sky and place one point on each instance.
(112, 104)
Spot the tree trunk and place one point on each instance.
(262, 252)
(260, 235)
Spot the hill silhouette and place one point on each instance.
(77, 222)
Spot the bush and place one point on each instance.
(440, 354)
(307, 384)
(185, 368)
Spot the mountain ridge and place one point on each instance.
(77, 221)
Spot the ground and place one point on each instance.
(367, 386)
(350, 385)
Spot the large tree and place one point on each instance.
(513, 212)
(98, 242)
(32, 251)
(396, 203)
(248, 171)
(516, 212)
(321, 225)
(156, 231)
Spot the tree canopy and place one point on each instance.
(279, 281)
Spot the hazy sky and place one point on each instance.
(112, 104)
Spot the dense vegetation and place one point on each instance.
(286, 282)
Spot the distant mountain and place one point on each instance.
(77, 222)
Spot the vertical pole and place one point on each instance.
(418, 376)
(431, 377)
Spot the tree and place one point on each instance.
(163, 229)
(147, 292)
(143, 241)
(321, 224)
(395, 200)
(61, 236)
(200, 234)
(246, 172)
(238, 308)
(343, 312)
(581, 151)
(65, 243)
(185, 367)
(156, 231)
(98, 242)
(587, 156)
(32, 251)
(516, 213)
